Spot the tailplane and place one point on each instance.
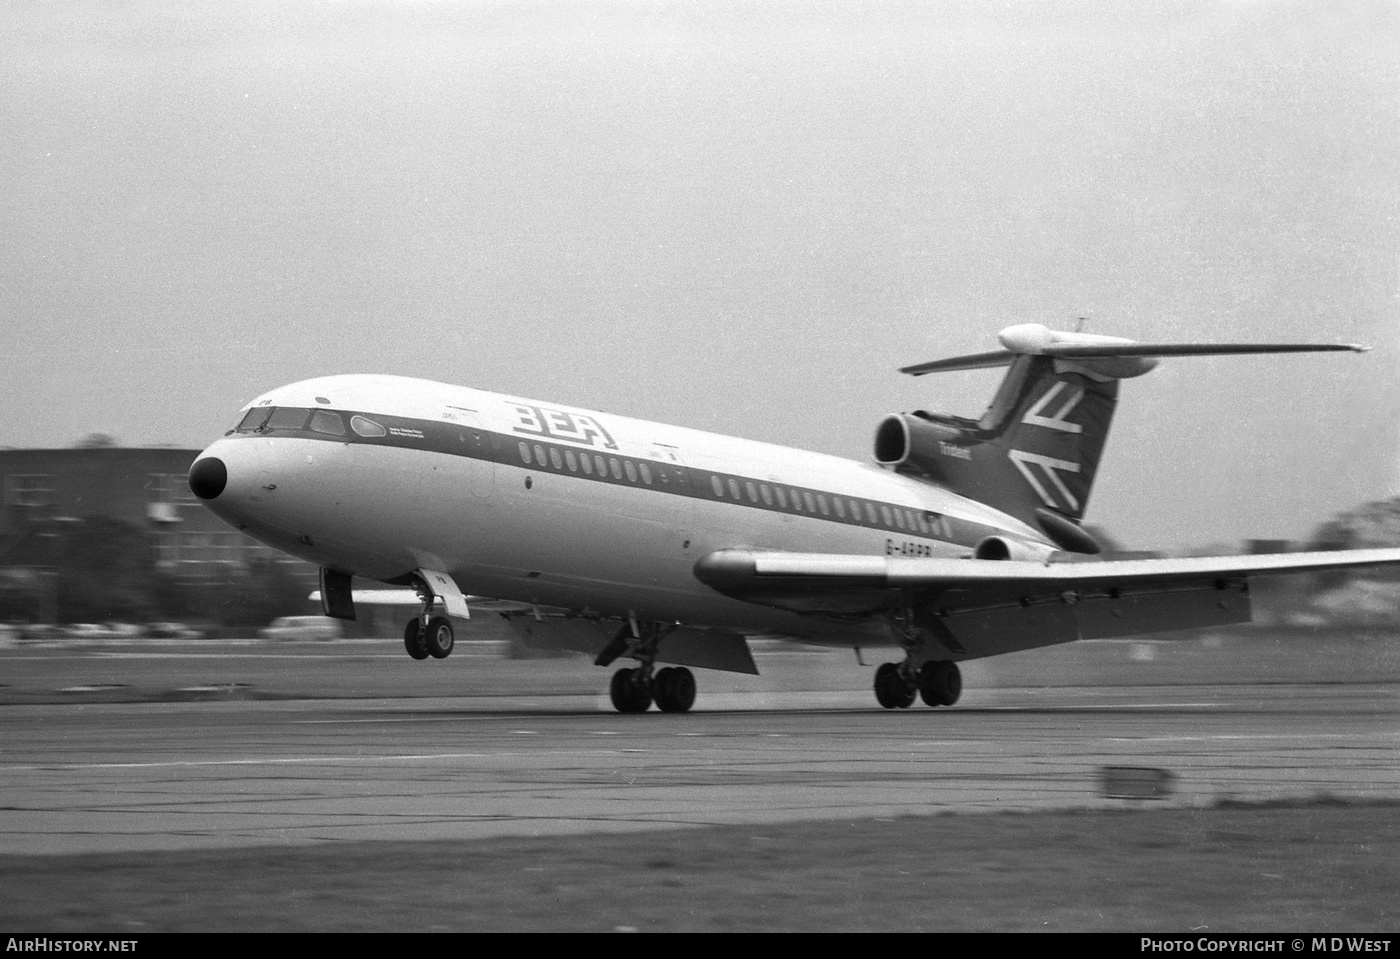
(1036, 450)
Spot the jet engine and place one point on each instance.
(1004, 547)
(906, 440)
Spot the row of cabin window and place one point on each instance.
(292, 418)
(589, 464)
(894, 518)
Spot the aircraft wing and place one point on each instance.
(984, 607)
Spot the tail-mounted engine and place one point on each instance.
(1005, 547)
(903, 440)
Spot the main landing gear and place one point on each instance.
(672, 688)
(937, 682)
(633, 690)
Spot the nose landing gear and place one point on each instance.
(434, 639)
(428, 635)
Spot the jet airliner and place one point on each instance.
(671, 548)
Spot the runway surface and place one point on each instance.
(225, 768)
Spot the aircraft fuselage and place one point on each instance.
(541, 503)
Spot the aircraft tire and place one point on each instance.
(414, 640)
(940, 682)
(674, 687)
(886, 685)
(438, 639)
(951, 683)
(629, 696)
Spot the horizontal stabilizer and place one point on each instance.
(1198, 349)
(1032, 339)
(975, 361)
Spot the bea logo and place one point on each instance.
(559, 425)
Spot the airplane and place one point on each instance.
(657, 544)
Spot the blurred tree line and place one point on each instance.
(104, 570)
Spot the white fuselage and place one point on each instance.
(547, 504)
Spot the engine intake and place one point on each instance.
(1001, 548)
(905, 440)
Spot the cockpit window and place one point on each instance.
(324, 421)
(366, 426)
(253, 420)
(287, 418)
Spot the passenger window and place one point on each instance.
(885, 512)
(870, 512)
(616, 468)
(767, 494)
(601, 465)
(734, 488)
(718, 486)
(539, 455)
(807, 498)
(285, 418)
(586, 463)
(254, 420)
(782, 496)
(899, 518)
(752, 491)
(369, 428)
(631, 471)
(324, 421)
(572, 460)
(555, 458)
(646, 473)
(821, 504)
(797, 501)
(840, 506)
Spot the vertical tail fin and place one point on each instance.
(1047, 426)
(1037, 447)
(1034, 454)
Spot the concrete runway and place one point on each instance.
(497, 759)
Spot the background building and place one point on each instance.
(61, 506)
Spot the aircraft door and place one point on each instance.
(673, 473)
(472, 443)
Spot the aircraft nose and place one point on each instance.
(208, 477)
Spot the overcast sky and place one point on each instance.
(738, 216)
